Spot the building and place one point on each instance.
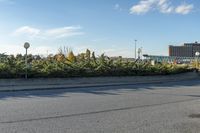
(186, 50)
(169, 59)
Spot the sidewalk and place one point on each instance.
(69, 83)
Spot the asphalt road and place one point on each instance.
(151, 108)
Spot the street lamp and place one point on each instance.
(26, 46)
(139, 52)
(135, 49)
(197, 60)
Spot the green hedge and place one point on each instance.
(82, 66)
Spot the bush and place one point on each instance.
(83, 65)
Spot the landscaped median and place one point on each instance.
(67, 65)
(73, 83)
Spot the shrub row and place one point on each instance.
(82, 65)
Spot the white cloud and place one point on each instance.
(26, 30)
(49, 33)
(142, 7)
(64, 32)
(184, 9)
(163, 6)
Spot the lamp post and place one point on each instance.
(135, 49)
(197, 60)
(26, 46)
(139, 53)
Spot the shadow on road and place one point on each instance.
(106, 90)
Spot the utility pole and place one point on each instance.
(135, 49)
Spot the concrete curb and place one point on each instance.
(81, 86)
(115, 81)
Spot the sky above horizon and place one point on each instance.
(103, 26)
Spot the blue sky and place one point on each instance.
(108, 26)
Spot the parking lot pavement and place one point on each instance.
(150, 108)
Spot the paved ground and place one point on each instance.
(153, 108)
(39, 84)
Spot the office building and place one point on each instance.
(185, 50)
